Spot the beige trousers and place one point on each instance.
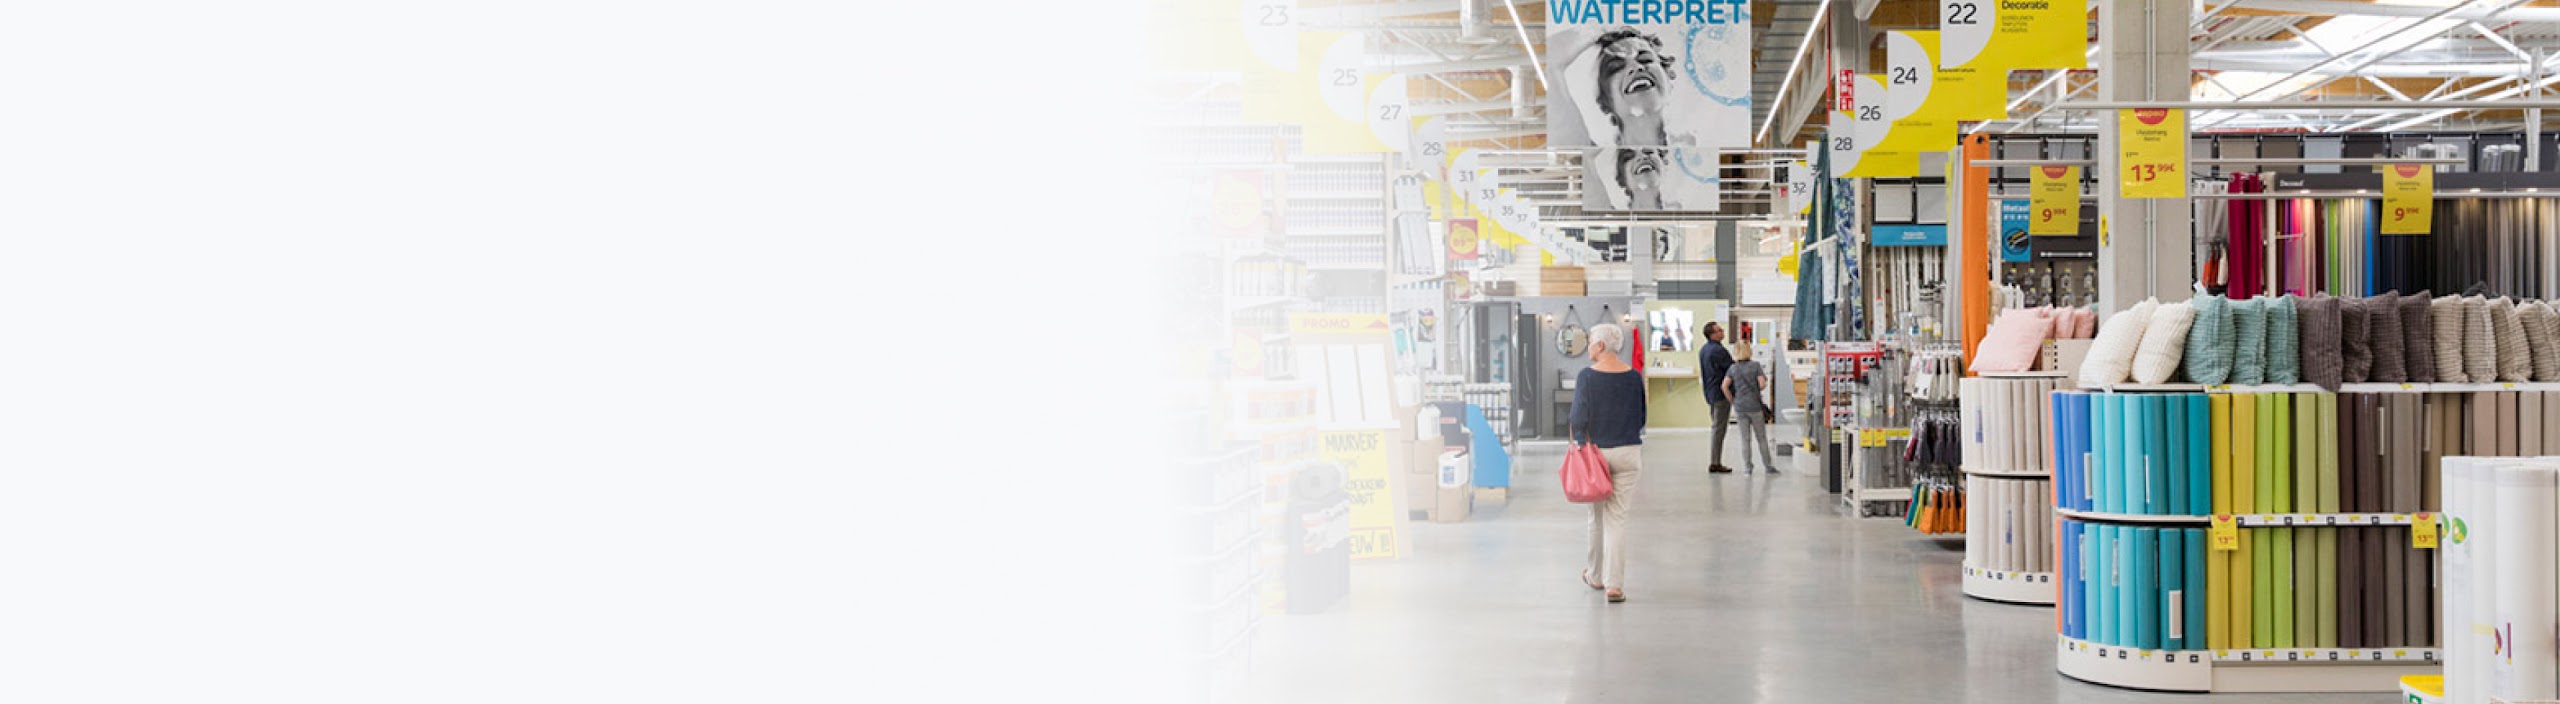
(1609, 517)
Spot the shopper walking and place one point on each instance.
(1747, 386)
(1713, 361)
(1608, 411)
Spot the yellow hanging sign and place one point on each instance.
(1923, 121)
(2408, 199)
(2152, 146)
(2053, 205)
(2422, 531)
(2225, 533)
(1999, 35)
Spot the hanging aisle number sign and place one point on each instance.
(2000, 35)
(2408, 199)
(2152, 147)
(2054, 201)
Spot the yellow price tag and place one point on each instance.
(2152, 146)
(2408, 199)
(2422, 531)
(2225, 533)
(2053, 201)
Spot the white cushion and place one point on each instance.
(2110, 359)
(2164, 343)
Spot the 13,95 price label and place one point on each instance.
(2053, 204)
(2154, 153)
(2408, 199)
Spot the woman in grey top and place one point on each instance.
(1747, 384)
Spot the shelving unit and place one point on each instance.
(2008, 460)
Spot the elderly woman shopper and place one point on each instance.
(1747, 388)
(1608, 412)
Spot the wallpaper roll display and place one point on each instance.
(2303, 470)
(2009, 416)
(2522, 616)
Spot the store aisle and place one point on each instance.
(1741, 589)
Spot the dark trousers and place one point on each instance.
(1723, 422)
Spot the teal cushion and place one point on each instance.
(2249, 341)
(2284, 342)
(2209, 341)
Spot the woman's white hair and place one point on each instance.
(1610, 336)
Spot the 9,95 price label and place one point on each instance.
(2053, 204)
(2408, 199)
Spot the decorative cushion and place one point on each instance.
(2110, 359)
(2515, 351)
(2323, 354)
(2164, 342)
(2087, 318)
(2012, 343)
(2417, 326)
(2209, 339)
(2542, 335)
(2449, 320)
(2284, 342)
(2390, 344)
(2479, 341)
(2249, 341)
(2355, 339)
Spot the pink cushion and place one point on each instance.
(2013, 342)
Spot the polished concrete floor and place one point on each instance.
(1740, 589)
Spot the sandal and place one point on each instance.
(1589, 582)
(1616, 596)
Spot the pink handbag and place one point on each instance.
(1586, 475)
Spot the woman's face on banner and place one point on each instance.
(1633, 77)
(1641, 170)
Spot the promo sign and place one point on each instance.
(2000, 35)
(1650, 179)
(1649, 73)
(2408, 199)
(2152, 146)
(1370, 484)
(2054, 196)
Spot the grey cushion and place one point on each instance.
(2542, 334)
(2284, 342)
(2323, 354)
(2515, 352)
(2417, 325)
(2479, 341)
(2355, 339)
(2209, 341)
(2390, 344)
(2449, 320)
(2249, 341)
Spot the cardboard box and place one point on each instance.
(1493, 495)
(1454, 503)
(2065, 355)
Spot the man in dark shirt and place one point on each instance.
(1713, 360)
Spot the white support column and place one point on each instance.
(2145, 247)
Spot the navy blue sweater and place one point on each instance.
(1608, 409)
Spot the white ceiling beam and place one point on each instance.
(2390, 70)
(2344, 8)
(2494, 38)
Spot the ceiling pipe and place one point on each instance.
(1473, 26)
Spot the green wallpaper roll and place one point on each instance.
(2306, 587)
(2262, 488)
(2325, 606)
(2328, 438)
(2281, 578)
(2262, 586)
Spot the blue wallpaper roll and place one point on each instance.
(2143, 556)
(2069, 577)
(2172, 587)
(2107, 491)
(2106, 582)
(2172, 447)
(2135, 483)
(2196, 615)
(2199, 456)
